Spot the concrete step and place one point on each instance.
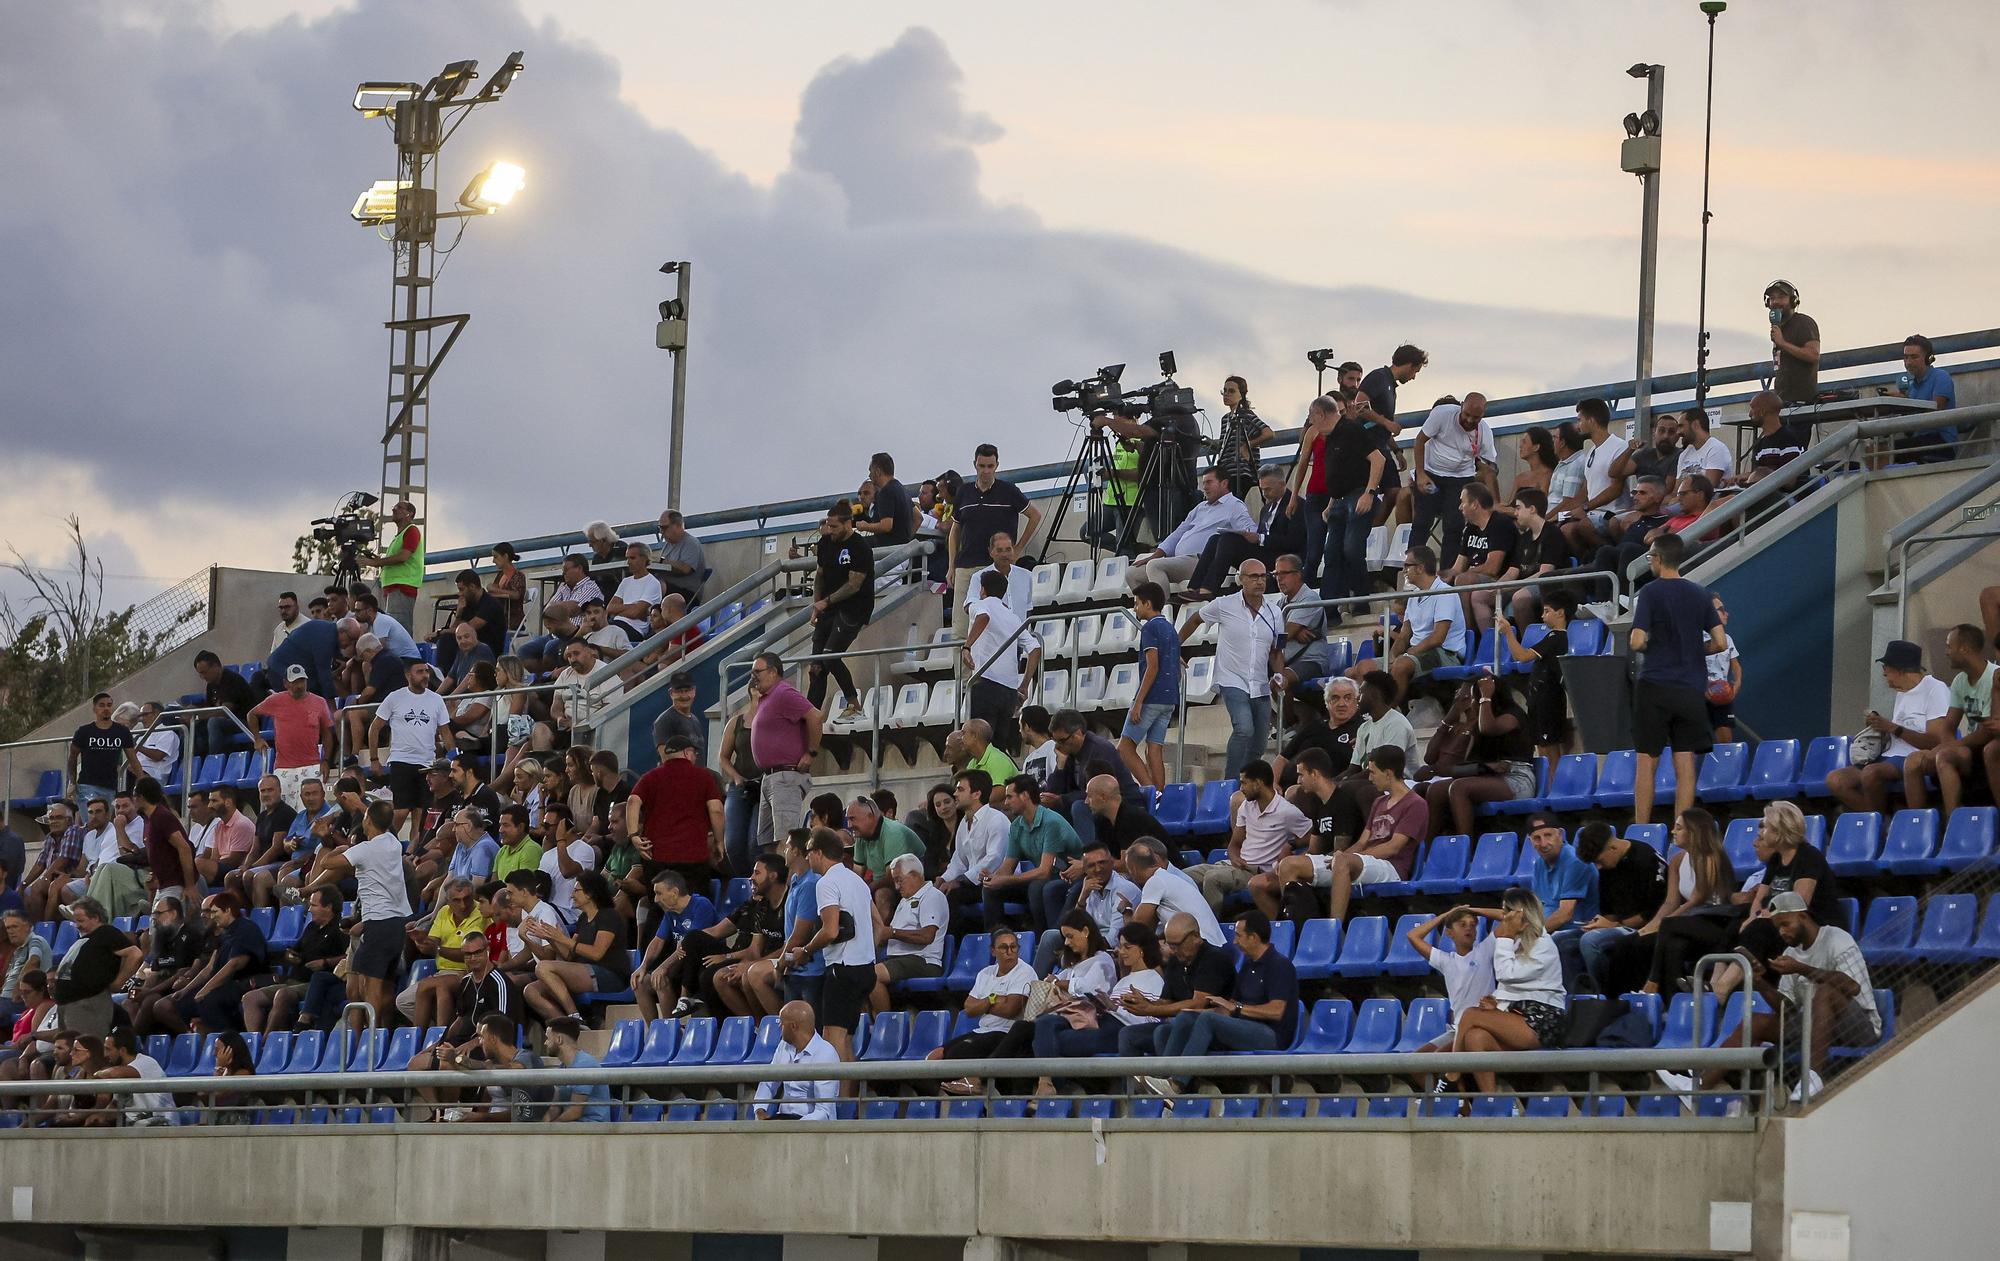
(616, 1012)
(596, 1041)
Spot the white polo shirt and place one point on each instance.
(1450, 451)
(841, 887)
(926, 908)
(1439, 604)
(1243, 650)
(1597, 472)
(1169, 889)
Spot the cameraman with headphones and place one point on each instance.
(1923, 379)
(1794, 344)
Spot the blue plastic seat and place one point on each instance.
(208, 772)
(288, 928)
(48, 788)
(1443, 869)
(1490, 1107)
(161, 1047)
(1010, 1108)
(683, 1112)
(1193, 1106)
(1545, 1106)
(1480, 661)
(1910, 848)
(271, 1057)
(63, 937)
(1653, 834)
(644, 1113)
(1607, 1106)
(663, 1039)
(1774, 770)
(1824, 756)
(1739, 841)
(1326, 1027)
(1588, 637)
(1175, 808)
(1968, 838)
(1242, 1106)
(1856, 839)
(1723, 772)
(1284, 937)
(1731, 1024)
(1986, 941)
(1573, 783)
(1666, 780)
(1647, 1005)
(732, 1040)
(180, 1060)
(966, 1109)
(1889, 930)
(1678, 1032)
(266, 919)
(1402, 959)
(1850, 915)
(1426, 1020)
(1615, 778)
(1389, 1106)
(255, 767)
(1524, 866)
(921, 1110)
(975, 952)
(930, 984)
(308, 1045)
(1885, 1006)
(1211, 812)
(1659, 1106)
(734, 895)
(888, 1034)
(1363, 942)
(927, 1033)
(627, 1037)
(1377, 1026)
(234, 767)
(1054, 1109)
(1530, 638)
(1492, 866)
(1096, 1107)
(1946, 933)
(1319, 946)
(398, 1050)
(769, 1031)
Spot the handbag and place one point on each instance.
(1865, 746)
(1451, 744)
(1042, 996)
(1080, 1012)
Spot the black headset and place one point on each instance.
(1786, 287)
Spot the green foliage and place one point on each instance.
(314, 556)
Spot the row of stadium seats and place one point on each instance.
(1085, 581)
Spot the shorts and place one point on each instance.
(293, 778)
(910, 967)
(1600, 517)
(406, 785)
(1669, 717)
(1892, 759)
(1434, 658)
(604, 981)
(810, 990)
(1373, 870)
(381, 948)
(1549, 1023)
(87, 793)
(1151, 727)
(1316, 662)
(848, 986)
(1721, 715)
(1854, 1027)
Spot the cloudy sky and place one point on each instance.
(907, 220)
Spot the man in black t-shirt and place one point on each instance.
(1794, 345)
(891, 518)
(1332, 731)
(224, 688)
(844, 590)
(1778, 444)
(477, 606)
(92, 970)
(1193, 971)
(1486, 541)
(97, 751)
(1675, 627)
(1631, 884)
(983, 507)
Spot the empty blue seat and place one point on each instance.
(1377, 1026)
(1389, 1106)
(966, 1109)
(1545, 1106)
(697, 1041)
(1666, 780)
(1326, 1027)
(1524, 866)
(1616, 776)
(1739, 841)
(1175, 808)
(1011, 1108)
(1968, 838)
(1096, 1107)
(1196, 1106)
(1885, 1007)
(888, 1034)
(1284, 937)
(1588, 637)
(1946, 933)
(1824, 756)
(1402, 959)
(234, 767)
(975, 952)
(643, 1113)
(1986, 941)
(272, 1056)
(1443, 870)
(308, 1045)
(1146, 1109)
(734, 895)
(1910, 847)
(1856, 839)
(1660, 1106)
(181, 1059)
(266, 919)
(1850, 915)
(1242, 1106)
(766, 1043)
(663, 1039)
(1607, 1106)
(732, 1040)
(921, 1110)
(1319, 946)
(879, 1110)
(289, 926)
(1774, 770)
(48, 788)
(683, 1112)
(1480, 660)
(1889, 930)
(1492, 866)
(1211, 812)
(927, 1033)
(1054, 1109)
(1573, 783)
(1530, 638)
(1424, 1022)
(1723, 772)
(1678, 1032)
(400, 1047)
(1363, 942)
(627, 1037)
(1731, 1023)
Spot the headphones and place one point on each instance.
(1786, 287)
(1922, 343)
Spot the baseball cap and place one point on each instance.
(441, 766)
(681, 678)
(680, 744)
(294, 673)
(1786, 903)
(1539, 820)
(1901, 654)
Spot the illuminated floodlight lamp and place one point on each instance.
(372, 100)
(377, 202)
(493, 187)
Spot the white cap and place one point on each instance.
(293, 673)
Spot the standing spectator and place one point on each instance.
(1530, 1006)
(100, 749)
(1433, 631)
(1452, 445)
(401, 561)
(1355, 464)
(1923, 380)
(1159, 690)
(1537, 453)
(1247, 659)
(168, 852)
(1261, 1015)
(1309, 479)
(92, 970)
(1701, 451)
(1547, 705)
(1264, 829)
(1631, 888)
(638, 591)
(1380, 385)
(1675, 625)
(674, 814)
(1540, 549)
(375, 863)
(996, 680)
(983, 507)
(679, 718)
(1238, 436)
(845, 937)
(1777, 443)
(1039, 835)
(740, 775)
(844, 585)
(1020, 594)
(1174, 559)
(1605, 469)
(303, 727)
(419, 728)
(1794, 344)
(893, 519)
(509, 586)
(1970, 717)
(784, 740)
(799, 1099)
(681, 558)
(1919, 719)
(1726, 668)
(1487, 540)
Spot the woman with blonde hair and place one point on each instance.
(1792, 866)
(1528, 1008)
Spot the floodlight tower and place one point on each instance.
(422, 117)
(1640, 156)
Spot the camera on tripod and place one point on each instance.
(345, 530)
(350, 528)
(1165, 400)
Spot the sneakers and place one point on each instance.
(688, 1007)
(1163, 1086)
(1813, 1086)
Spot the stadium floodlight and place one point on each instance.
(372, 100)
(377, 202)
(1632, 125)
(502, 79)
(453, 80)
(493, 188)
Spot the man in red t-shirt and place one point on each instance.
(303, 726)
(675, 817)
(168, 852)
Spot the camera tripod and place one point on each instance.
(347, 569)
(1159, 477)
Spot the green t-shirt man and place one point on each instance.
(526, 856)
(1974, 697)
(891, 839)
(997, 765)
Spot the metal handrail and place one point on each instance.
(1909, 527)
(1903, 565)
(493, 725)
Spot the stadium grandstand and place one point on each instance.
(1410, 796)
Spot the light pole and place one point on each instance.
(422, 117)
(1711, 8)
(1640, 155)
(671, 333)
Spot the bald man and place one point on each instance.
(1454, 449)
(798, 1043)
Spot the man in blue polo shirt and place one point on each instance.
(1567, 886)
(1923, 380)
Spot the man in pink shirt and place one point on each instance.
(784, 739)
(231, 838)
(303, 725)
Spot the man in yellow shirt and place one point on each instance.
(457, 918)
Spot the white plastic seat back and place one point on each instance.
(1055, 690)
(1054, 634)
(1123, 688)
(1084, 634)
(942, 708)
(1079, 577)
(1121, 632)
(1089, 688)
(1110, 583)
(1048, 581)
(1200, 683)
(910, 705)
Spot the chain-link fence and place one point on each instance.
(174, 616)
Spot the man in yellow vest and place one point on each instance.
(403, 566)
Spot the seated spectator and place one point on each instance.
(496, 1050)
(1487, 539)
(1606, 468)
(231, 838)
(561, 614)
(1116, 819)
(1432, 633)
(1631, 886)
(657, 981)
(1970, 748)
(1536, 452)
(1568, 887)
(1097, 889)
(574, 1101)
(798, 1099)
(1166, 891)
(444, 935)
(1567, 498)
(637, 592)
(571, 705)
(60, 861)
(1777, 443)
(370, 617)
(1159, 690)
(94, 969)
(1539, 551)
(1261, 1015)
(1547, 708)
(220, 688)
(591, 960)
(979, 846)
(1084, 968)
(310, 995)
(174, 946)
(1264, 829)
(1529, 1008)
(1038, 834)
(1694, 497)
(998, 996)
(1661, 457)
(470, 652)
(1281, 528)
(1793, 865)
(1092, 1023)
(1702, 453)
(277, 873)
(1038, 743)
(1306, 653)
(1923, 380)
(32, 1007)
(1334, 731)
(22, 950)
(1499, 766)
(1920, 719)
(1385, 851)
(1194, 972)
(123, 1061)
(232, 1059)
(936, 824)
(912, 935)
(1174, 559)
(214, 1000)
(1084, 755)
(878, 842)
(478, 609)
(721, 956)
(1700, 913)
(159, 747)
(1633, 531)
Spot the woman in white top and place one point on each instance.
(1528, 1008)
(472, 715)
(1058, 1035)
(998, 997)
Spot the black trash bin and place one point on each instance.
(1600, 699)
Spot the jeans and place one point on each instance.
(1055, 1039)
(1440, 505)
(1054, 894)
(1316, 530)
(1194, 1032)
(1139, 1039)
(1596, 948)
(832, 633)
(739, 823)
(1569, 949)
(1249, 727)
(995, 902)
(1347, 549)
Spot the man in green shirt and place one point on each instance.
(1973, 727)
(982, 755)
(1039, 836)
(518, 850)
(877, 841)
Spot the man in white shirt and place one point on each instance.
(376, 863)
(419, 727)
(845, 940)
(913, 939)
(289, 617)
(565, 855)
(1605, 470)
(1174, 560)
(1020, 595)
(1920, 718)
(1248, 654)
(1701, 451)
(160, 748)
(798, 1100)
(979, 848)
(1432, 633)
(997, 683)
(638, 591)
(1165, 892)
(1453, 443)
(121, 1051)
(571, 706)
(1264, 828)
